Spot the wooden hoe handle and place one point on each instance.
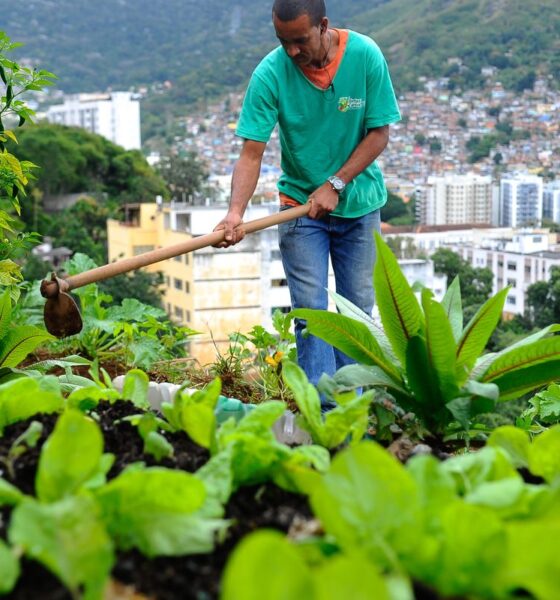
(149, 258)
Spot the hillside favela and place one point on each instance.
(358, 402)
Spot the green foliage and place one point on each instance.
(9, 569)
(426, 359)
(397, 211)
(543, 410)
(184, 175)
(133, 332)
(349, 419)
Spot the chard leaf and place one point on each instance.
(348, 309)
(9, 569)
(155, 509)
(440, 346)
(5, 312)
(68, 538)
(70, 456)
(353, 376)
(135, 388)
(544, 455)
(453, 308)
(523, 358)
(368, 502)
(285, 577)
(516, 383)
(400, 312)
(19, 342)
(429, 403)
(477, 333)
(350, 336)
(514, 441)
(9, 494)
(23, 398)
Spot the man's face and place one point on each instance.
(301, 40)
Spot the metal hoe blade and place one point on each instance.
(62, 316)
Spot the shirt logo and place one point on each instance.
(346, 103)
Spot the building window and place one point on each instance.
(278, 283)
(188, 316)
(511, 300)
(186, 259)
(178, 313)
(512, 282)
(177, 283)
(512, 266)
(168, 308)
(187, 287)
(167, 281)
(136, 250)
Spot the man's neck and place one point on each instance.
(330, 50)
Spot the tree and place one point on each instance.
(184, 175)
(141, 285)
(476, 283)
(398, 212)
(543, 299)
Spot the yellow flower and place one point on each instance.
(275, 359)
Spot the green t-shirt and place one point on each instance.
(319, 129)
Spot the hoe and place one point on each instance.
(62, 316)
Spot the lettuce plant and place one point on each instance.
(431, 363)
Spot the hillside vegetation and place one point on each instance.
(205, 48)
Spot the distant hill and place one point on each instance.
(206, 47)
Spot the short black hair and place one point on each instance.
(288, 10)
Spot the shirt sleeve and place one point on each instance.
(381, 107)
(259, 113)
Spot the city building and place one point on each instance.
(521, 200)
(455, 199)
(115, 116)
(551, 201)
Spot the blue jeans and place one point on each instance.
(306, 245)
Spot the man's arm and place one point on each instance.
(243, 183)
(324, 199)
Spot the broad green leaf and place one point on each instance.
(156, 445)
(265, 566)
(19, 342)
(135, 388)
(350, 336)
(545, 350)
(155, 509)
(428, 403)
(351, 576)
(199, 421)
(9, 569)
(344, 421)
(262, 418)
(477, 333)
(352, 376)
(440, 346)
(69, 538)
(532, 558)
(305, 396)
(23, 398)
(514, 441)
(520, 381)
(45, 366)
(217, 477)
(9, 494)
(369, 502)
(399, 310)
(5, 312)
(544, 455)
(453, 308)
(133, 310)
(473, 541)
(348, 309)
(145, 351)
(69, 457)
(547, 404)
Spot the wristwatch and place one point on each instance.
(337, 184)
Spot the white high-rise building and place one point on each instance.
(457, 199)
(551, 201)
(115, 116)
(521, 200)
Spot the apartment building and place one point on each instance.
(455, 199)
(115, 116)
(521, 200)
(551, 201)
(213, 291)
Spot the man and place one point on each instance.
(330, 93)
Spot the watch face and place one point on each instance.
(337, 183)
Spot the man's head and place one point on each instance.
(289, 10)
(301, 26)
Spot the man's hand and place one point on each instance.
(323, 201)
(233, 233)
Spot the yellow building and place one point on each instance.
(216, 292)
